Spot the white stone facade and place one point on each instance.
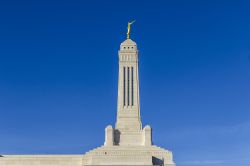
(41, 160)
(125, 144)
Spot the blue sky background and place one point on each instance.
(58, 76)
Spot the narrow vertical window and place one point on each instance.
(124, 86)
(132, 86)
(128, 88)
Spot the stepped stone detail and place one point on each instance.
(128, 155)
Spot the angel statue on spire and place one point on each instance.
(129, 26)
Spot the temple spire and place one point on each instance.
(128, 106)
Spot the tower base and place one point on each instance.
(128, 155)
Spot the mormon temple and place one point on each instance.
(126, 143)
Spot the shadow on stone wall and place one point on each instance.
(157, 161)
(117, 134)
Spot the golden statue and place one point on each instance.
(129, 25)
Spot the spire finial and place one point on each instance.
(129, 26)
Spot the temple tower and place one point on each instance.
(128, 143)
(128, 105)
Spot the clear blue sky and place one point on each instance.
(58, 76)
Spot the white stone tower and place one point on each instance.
(128, 143)
(128, 130)
(128, 105)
